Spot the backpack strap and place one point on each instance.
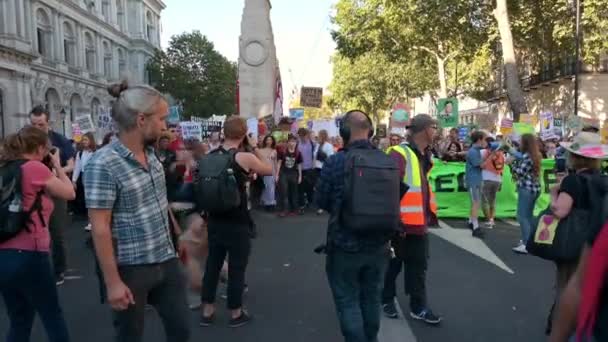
(37, 207)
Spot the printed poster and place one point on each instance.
(447, 112)
(191, 130)
(296, 113)
(547, 128)
(85, 123)
(506, 126)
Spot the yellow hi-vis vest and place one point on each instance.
(412, 203)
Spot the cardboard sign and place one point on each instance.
(209, 126)
(85, 123)
(311, 97)
(447, 112)
(104, 120)
(506, 126)
(381, 131)
(76, 132)
(191, 130)
(527, 119)
(604, 132)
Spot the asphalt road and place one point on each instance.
(289, 297)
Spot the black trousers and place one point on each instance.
(411, 252)
(288, 191)
(307, 187)
(162, 286)
(234, 241)
(58, 222)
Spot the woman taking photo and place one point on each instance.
(573, 193)
(269, 152)
(27, 282)
(526, 170)
(82, 158)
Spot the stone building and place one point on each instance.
(63, 53)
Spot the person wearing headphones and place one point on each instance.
(418, 211)
(355, 264)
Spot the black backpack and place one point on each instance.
(13, 218)
(371, 193)
(216, 186)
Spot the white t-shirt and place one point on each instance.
(489, 175)
(327, 148)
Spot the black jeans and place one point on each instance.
(307, 187)
(28, 286)
(58, 222)
(288, 191)
(234, 241)
(413, 253)
(356, 284)
(162, 286)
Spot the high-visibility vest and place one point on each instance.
(412, 203)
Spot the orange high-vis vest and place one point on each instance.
(412, 203)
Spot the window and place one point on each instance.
(89, 53)
(107, 61)
(120, 14)
(105, 10)
(122, 63)
(43, 33)
(149, 27)
(91, 6)
(69, 44)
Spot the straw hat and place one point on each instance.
(588, 145)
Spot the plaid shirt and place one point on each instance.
(329, 194)
(523, 169)
(115, 180)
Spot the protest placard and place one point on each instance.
(311, 97)
(521, 128)
(191, 130)
(447, 112)
(506, 126)
(85, 123)
(296, 113)
(76, 132)
(547, 129)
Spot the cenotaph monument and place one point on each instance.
(259, 78)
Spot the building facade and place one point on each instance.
(64, 53)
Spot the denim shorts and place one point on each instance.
(475, 193)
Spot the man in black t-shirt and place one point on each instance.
(289, 177)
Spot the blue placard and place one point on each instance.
(296, 113)
(463, 133)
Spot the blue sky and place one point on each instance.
(301, 30)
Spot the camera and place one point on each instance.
(47, 161)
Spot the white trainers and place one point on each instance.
(490, 224)
(87, 227)
(521, 249)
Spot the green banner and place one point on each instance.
(447, 181)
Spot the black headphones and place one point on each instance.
(345, 128)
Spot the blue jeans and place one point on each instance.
(27, 284)
(356, 281)
(526, 200)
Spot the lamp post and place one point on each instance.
(62, 113)
(577, 66)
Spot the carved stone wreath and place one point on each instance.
(251, 48)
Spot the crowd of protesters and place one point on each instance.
(138, 189)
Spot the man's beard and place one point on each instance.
(149, 141)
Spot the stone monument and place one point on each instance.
(259, 78)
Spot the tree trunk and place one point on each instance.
(443, 83)
(515, 93)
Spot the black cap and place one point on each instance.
(421, 122)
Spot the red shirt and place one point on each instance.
(35, 175)
(175, 144)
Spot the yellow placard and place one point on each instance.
(528, 119)
(605, 132)
(545, 232)
(505, 131)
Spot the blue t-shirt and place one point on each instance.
(473, 175)
(66, 150)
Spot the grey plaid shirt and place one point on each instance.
(114, 179)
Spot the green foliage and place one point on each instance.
(373, 83)
(198, 76)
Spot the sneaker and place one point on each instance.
(243, 319)
(87, 227)
(490, 224)
(283, 214)
(521, 249)
(478, 233)
(320, 212)
(470, 225)
(206, 321)
(390, 310)
(426, 315)
(59, 279)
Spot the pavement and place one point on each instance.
(483, 290)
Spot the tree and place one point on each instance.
(444, 30)
(373, 83)
(195, 74)
(515, 93)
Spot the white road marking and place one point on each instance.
(463, 239)
(395, 330)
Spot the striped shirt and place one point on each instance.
(115, 180)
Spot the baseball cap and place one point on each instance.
(421, 122)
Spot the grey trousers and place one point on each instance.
(161, 285)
